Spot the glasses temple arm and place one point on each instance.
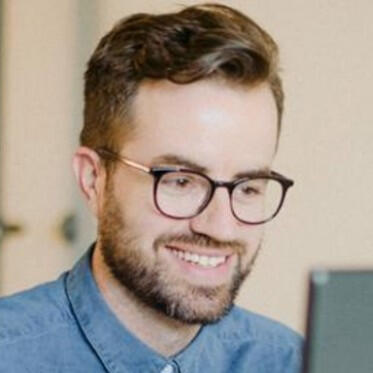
(135, 165)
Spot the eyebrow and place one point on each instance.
(176, 160)
(264, 171)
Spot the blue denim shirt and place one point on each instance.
(66, 326)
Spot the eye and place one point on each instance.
(177, 181)
(180, 182)
(248, 190)
(251, 188)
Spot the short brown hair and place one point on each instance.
(198, 42)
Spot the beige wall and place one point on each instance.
(326, 141)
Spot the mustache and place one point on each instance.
(200, 240)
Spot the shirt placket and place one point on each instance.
(171, 367)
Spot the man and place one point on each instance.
(182, 120)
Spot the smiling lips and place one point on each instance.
(206, 261)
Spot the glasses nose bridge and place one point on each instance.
(220, 184)
(223, 184)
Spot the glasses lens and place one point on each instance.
(181, 194)
(257, 200)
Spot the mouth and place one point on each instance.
(201, 265)
(204, 261)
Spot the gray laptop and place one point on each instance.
(340, 323)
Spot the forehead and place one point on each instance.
(224, 128)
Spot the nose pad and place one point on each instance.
(216, 219)
(220, 187)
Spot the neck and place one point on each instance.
(160, 332)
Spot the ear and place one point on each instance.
(90, 176)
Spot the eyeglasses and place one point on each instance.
(181, 193)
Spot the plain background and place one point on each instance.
(326, 58)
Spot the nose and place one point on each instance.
(216, 220)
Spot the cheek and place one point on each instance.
(148, 224)
(253, 238)
(136, 203)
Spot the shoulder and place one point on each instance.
(255, 327)
(33, 312)
(253, 340)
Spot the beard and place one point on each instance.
(153, 282)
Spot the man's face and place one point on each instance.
(190, 269)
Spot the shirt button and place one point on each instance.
(168, 369)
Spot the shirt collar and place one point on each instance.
(116, 346)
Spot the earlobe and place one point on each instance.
(89, 175)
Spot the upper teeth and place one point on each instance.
(203, 260)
